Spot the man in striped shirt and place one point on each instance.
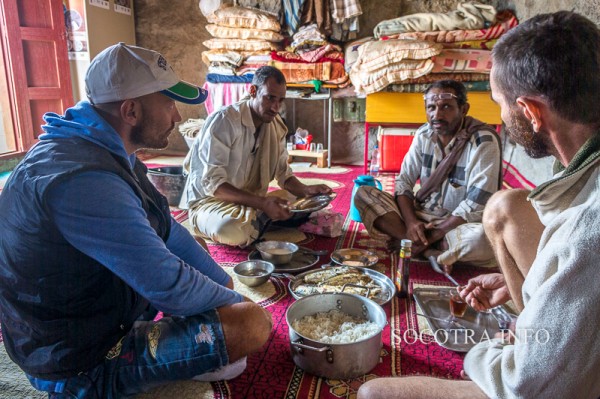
(456, 159)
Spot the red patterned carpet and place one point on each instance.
(272, 374)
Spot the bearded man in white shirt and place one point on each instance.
(239, 151)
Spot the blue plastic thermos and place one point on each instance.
(362, 180)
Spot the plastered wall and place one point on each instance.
(176, 29)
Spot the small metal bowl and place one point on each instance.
(277, 252)
(253, 272)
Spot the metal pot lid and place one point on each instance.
(354, 257)
(301, 261)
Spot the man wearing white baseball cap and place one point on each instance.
(90, 253)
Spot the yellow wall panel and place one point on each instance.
(409, 108)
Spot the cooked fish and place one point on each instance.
(375, 290)
(355, 278)
(306, 289)
(323, 275)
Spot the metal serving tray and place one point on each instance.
(478, 326)
(312, 204)
(354, 257)
(388, 289)
(301, 261)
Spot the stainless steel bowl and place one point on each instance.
(277, 252)
(253, 272)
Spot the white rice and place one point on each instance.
(334, 327)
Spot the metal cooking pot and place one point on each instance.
(336, 361)
(169, 181)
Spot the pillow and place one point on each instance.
(367, 82)
(351, 51)
(378, 54)
(237, 44)
(240, 17)
(225, 32)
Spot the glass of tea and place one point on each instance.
(458, 306)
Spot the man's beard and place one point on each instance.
(146, 137)
(520, 130)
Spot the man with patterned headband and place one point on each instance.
(89, 251)
(457, 160)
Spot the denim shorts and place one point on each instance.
(151, 354)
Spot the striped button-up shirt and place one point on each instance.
(472, 181)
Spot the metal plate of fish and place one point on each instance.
(354, 280)
(301, 261)
(354, 257)
(312, 204)
(472, 328)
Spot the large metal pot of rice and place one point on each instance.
(350, 354)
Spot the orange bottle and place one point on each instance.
(403, 268)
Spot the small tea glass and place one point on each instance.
(312, 147)
(458, 306)
(319, 147)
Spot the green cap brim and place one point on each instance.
(186, 93)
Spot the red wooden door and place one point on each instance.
(36, 63)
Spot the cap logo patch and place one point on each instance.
(162, 63)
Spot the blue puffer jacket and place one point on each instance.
(61, 310)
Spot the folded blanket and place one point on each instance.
(225, 32)
(241, 45)
(228, 56)
(466, 16)
(421, 87)
(458, 76)
(378, 54)
(298, 72)
(472, 44)
(367, 82)
(240, 17)
(329, 52)
(216, 78)
(502, 25)
(459, 60)
(221, 68)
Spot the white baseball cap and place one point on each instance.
(122, 72)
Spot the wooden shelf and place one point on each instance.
(320, 156)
